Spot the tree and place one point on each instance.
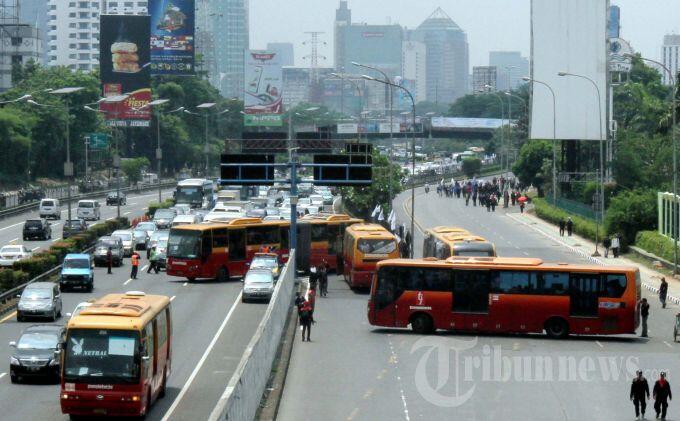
(631, 211)
(132, 167)
(529, 165)
(471, 167)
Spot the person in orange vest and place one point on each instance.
(135, 265)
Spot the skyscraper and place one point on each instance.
(511, 66)
(19, 42)
(447, 57)
(670, 55)
(343, 18)
(285, 50)
(230, 25)
(35, 13)
(414, 67)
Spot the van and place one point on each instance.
(49, 208)
(184, 220)
(89, 209)
(77, 271)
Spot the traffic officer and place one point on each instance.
(135, 265)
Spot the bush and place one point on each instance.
(655, 243)
(12, 278)
(630, 212)
(62, 248)
(591, 188)
(36, 265)
(471, 167)
(583, 227)
(154, 206)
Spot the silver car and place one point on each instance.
(258, 284)
(158, 236)
(140, 239)
(149, 226)
(40, 299)
(127, 239)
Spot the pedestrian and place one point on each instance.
(109, 260)
(521, 206)
(639, 393)
(563, 225)
(644, 313)
(323, 279)
(299, 301)
(663, 292)
(311, 297)
(570, 226)
(662, 394)
(494, 203)
(306, 320)
(474, 198)
(506, 198)
(153, 261)
(607, 243)
(616, 244)
(135, 265)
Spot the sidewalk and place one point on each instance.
(585, 247)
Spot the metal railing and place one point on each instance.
(572, 206)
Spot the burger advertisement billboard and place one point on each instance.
(263, 100)
(124, 69)
(172, 37)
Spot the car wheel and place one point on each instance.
(422, 324)
(222, 275)
(13, 378)
(20, 317)
(54, 315)
(59, 313)
(90, 287)
(556, 328)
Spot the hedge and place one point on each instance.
(655, 243)
(12, 278)
(154, 206)
(583, 227)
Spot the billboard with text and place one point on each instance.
(172, 37)
(263, 88)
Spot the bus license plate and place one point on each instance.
(99, 411)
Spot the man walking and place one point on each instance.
(607, 243)
(570, 226)
(306, 320)
(563, 224)
(662, 394)
(663, 292)
(639, 392)
(109, 260)
(153, 262)
(616, 243)
(644, 313)
(135, 265)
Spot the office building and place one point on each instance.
(19, 43)
(284, 50)
(614, 22)
(670, 56)
(296, 86)
(229, 29)
(35, 13)
(348, 96)
(414, 67)
(511, 68)
(447, 57)
(483, 76)
(343, 18)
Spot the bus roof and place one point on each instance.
(132, 311)
(463, 262)
(194, 182)
(237, 222)
(329, 217)
(448, 230)
(369, 230)
(458, 238)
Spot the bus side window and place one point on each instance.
(409, 279)
(220, 238)
(285, 232)
(237, 244)
(332, 235)
(554, 283)
(206, 245)
(614, 285)
(436, 279)
(150, 348)
(426, 246)
(162, 329)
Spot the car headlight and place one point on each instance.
(14, 361)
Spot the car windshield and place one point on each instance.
(125, 236)
(33, 223)
(163, 243)
(38, 340)
(73, 224)
(107, 243)
(164, 213)
(149, 226)
(263, 262)
(184, 244)
(37, 294)
(258, 278)
(47, 203)
(102, 356)
(85, 205)
(10, 249)
(376, 246)
(76, 264)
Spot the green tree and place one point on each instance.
(132, 167)
(631, 211)
(471, 167)
(15, 146)
(529, 165)
(360, 201)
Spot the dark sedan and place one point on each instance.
(36, 353)
(73, 227)
(115, 198)
(38, 229)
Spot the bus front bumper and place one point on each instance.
(101, 403)
(362, 279)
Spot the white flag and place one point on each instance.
(393, 224)
(376, 211)
(392, 217)
(222, 76)
(381, 217)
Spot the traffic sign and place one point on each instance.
(98, 140)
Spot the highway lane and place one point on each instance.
(354, 371)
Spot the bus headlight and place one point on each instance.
(135, 398)
(64, 395)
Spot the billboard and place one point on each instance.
(569, 36)
(124, 69)
(172, 37)
(263, 101)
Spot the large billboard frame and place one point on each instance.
(172, 30)
(263, 88)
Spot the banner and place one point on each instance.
(348, 128)
(263, 84)
(172, 37)
(124, 69)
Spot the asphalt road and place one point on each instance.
(354, 371)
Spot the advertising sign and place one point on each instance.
(385, 128)
(619, 51)
(263, 88)
(348, 128)
(172, 37)
(124, 69)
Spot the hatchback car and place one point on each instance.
(37, 353)
(127, 239)
(163, 217)
(73, 227)
(258, 284)
(13, 253)
(40, 299)
(77, 271)
(101, 251)
(149, 226)
(37, 229)
(116, 198)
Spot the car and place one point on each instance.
(77, 271)
(80, 307)
(185, 220)
(317, 200)
(89, 209)
(258, 284)
(116, 198)
(128, 241)
(158, 235)
(269, 261)
(140, 239)
(272, 211)
(327, 197)
(149, 226)
(37, 353)
(161, 256)
(101, 251)
(73, 227)
(163, 218)
(182, 209)
(39, 299)
(13, 253)
(49, 208)
(38, 229)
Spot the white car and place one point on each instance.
(127, 238)
(148, 226)
(80, 307)
(185, 220)
(88, 210)
(317, 200)
(11, 254)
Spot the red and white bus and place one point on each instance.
(364, 246)
(505, 295)
(320, 237)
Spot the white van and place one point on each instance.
(49, 208)
(88, 209)
(185, 220)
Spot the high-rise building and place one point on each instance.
(447, 57)
(285, 52)
(230, 26)
(511, 67)
(414, 67)
(483, 76)
(35, 13)
(74, 29)
(343, 18)
(19, 42)
(670, 56)
(296, 86)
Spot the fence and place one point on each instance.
(573, 206)
(242, 396)
(669, 209)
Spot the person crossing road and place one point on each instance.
(135, 265)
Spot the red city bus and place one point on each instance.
(116, 356)
(222, 250)
(320, 237)
(505, 295)
(364, 246)
(444, 242)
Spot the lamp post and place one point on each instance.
(495, 93)
(344, 78)
(206, 147)
(413, 153)
(554, 148)
(601, 175)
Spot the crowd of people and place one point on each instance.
(488, 194)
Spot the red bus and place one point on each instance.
(222, 250)
(116, 356)
(321, 237)
(516, 295)
(364, 246)
(444, 242)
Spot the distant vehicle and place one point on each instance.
(312, 210)
(149, 226)
(150, 178)
(140, 239)
(37, 353)
(258, 284)
(158, 235)
(126, 238)
(274, 218)
(269, 261)
(113, 198)
(73, 227)
(39, 299)
(79, 307)
(161, 256)
(272, 211)
(182, 209)
(185, 220)
(317, 200)
(101, 251)
(444, 242)
(195, 192)
(13, 253)
(76, 271)
(88, 209)
(364, 246)
(37, 229)
(49, 208)
(163, 217)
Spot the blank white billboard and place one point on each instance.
(569, 36)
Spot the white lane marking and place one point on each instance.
(668, 345)
(185, 284)
(191, 378)
(14, 239)
(396, 368)
(599, 344)
(11, 226)
(127, 282)
(35, 249)
(134, 203)
(2, 375)
(144, 268)
(173, 297)
(56, 239)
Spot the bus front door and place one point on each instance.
(237, 252)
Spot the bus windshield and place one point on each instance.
(184, 244)
(102, 356)
(376, 246)
(189, 195)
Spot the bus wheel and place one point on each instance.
(191, 279)
(161, 393)
(556, 328)
(222, 275)
(422, 324)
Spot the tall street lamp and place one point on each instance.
(500, 99)
(554, 146)
(413, 153)
(156, 104)
(344, 79)
(601, 175)
(206, 147)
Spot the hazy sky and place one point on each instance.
(490, 24)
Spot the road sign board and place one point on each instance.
(98, 140)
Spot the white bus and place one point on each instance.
(195, 192)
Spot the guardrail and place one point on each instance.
(29, 206)
(242, 396)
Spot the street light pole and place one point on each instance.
(495, 93)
